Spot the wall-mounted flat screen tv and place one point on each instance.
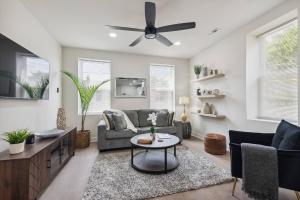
(23, 74)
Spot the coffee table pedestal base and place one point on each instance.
(153, 161)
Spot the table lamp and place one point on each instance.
(184, 101)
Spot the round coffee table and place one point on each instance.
(154, 161)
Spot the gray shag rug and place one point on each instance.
(113, 178)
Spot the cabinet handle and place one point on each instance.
(48, 163)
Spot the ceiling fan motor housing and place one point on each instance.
(150, 32)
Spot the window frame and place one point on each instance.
(174, 82)
(92, 113)
(262, 65)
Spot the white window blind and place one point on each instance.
(162, 87)
(93, 72)
(278, 81)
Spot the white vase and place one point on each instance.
(16, 148)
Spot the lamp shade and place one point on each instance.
(184, 100)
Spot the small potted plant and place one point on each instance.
(197, 70)
(16, 140)
(152, 117)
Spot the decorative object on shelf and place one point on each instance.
(16, 140)
(216, 92)
(205, 71)
(211, 72)
(205, 108)
(198, 91)
(152, 117)
(216, 71)
(86, 93)
(30, 139)
(215, 144)
(184, 101)
(197, 70)
(213, 110)
(61, 119)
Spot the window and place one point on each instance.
(162, 87)
(278, 79)
(93, 72)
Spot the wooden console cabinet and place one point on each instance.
(26, 175)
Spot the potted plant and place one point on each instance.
(152, 117)
(16, 140)
(197, 70)
(86, 93)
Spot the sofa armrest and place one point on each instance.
(179, 129)
(101, 133)
(238, 137)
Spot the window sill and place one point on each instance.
(91, 114)
(264, 120)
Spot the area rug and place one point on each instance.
(113, 178)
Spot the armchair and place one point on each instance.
(288, 160)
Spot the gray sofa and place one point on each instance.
(113, 139)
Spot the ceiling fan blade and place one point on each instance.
(135, 42)
(150, 13)
(176, 27)
(163, 40)
(126, 28)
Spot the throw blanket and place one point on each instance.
(260, 171)
(129, 123)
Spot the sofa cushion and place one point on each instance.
(119, 121)
(166, 129)
(287, 136)
(143, 117)
(171, 116)
(133, 116)
(121, 134)
(162, 119)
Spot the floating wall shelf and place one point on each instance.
(208, 77)
(210, 96)
(210, 115)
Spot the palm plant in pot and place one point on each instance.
(197, 70)
(16, 140)
(86, 93)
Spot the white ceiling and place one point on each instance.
(81, 23)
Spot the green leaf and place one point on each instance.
(86, 93)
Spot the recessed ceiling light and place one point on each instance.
(177, 43)
(113, 35)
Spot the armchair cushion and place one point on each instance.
(287, 136)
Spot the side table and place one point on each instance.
(187, 130)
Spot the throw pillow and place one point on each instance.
(279, 135)
(171, 116)
(111, 121)
(287, 136)
(143, 117)
(119, 121)
(162, 119)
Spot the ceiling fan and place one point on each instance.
(151, 32)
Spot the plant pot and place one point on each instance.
(197, 75)
(16, 148)
(82, 139)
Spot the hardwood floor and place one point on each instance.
(71, 181)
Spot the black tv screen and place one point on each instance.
(23, 74)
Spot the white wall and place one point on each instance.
(122, 65)
(229, 55)
(17, 23)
